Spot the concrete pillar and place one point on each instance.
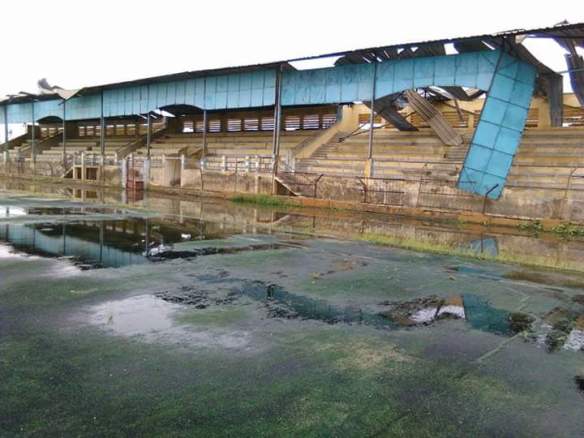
(544, 119)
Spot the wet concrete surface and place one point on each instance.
(198, 325)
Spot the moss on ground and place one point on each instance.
(331, 383)
(214, 317)
(263, 200)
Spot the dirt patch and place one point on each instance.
(360, 355)
(553, 279)
(520, 322)
(199, 298)
(579, 380)
(423, 311)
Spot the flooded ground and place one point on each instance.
(165, 317)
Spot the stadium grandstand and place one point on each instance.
(480, 114)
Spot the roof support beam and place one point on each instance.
(102, 127)
(435, 119)
(385, 107)
(372, 113)
(64, 134)
(277, 116)
(6, 139)
(33, 137)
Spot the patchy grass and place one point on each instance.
(265, 200)
(436, 248)
(569, 230)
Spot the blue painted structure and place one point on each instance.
(499, 129)
(509, 83)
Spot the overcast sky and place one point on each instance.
(79, 43)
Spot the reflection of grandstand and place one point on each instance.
(104, 243)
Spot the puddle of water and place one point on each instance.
(11, 212)
(135, 316)
(279, 303)
(154, 320)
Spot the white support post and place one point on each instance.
(146, 172)
(83, 166)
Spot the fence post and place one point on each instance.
(224, 163)
(365, 192)
(486, 197)
(419, 191)
(316, 185)
(236, 161)
(565, 209)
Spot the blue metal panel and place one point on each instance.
(499, 130)
(236, 90)
(346, 83)
(349, 83)
(47, 108)
(20, 113)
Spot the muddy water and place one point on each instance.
(166, 317)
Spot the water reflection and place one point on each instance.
(103, 243)
(510, 243)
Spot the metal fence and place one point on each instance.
(238, 163)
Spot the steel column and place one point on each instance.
(372, 114)
(277, 115)
(64, 130)
(33, 136)
(204, 120)
(102, 129)
(204, 132)
(148, 134)
(6, 126)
